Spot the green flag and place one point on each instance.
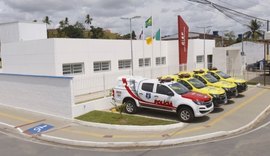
(157, 36)
(148, 22)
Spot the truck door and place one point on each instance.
(146, 94)
(164, 97)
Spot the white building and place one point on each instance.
(254, 51)
(92, 61)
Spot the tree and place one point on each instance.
(88, 20)
(127, 36)
(72, 32)
(47, 20)
(97, 32)
(66, 22)
(254, 33)
(230, 38)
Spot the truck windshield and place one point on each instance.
(179, 88)
(225, 76)
(210, 78)
(196, 83)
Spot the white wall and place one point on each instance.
(229, 60)
(29, 57)
(196, 48)
(9, 32)
(254, 51)
(22, 31)
(50, 95)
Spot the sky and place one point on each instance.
(107, 13)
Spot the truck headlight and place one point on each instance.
(198, 102)
(214, 95)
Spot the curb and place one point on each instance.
(132, 128)
(152, 143)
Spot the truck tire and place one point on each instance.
(131, 107)
(185, 114)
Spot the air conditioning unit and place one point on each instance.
(267, 35)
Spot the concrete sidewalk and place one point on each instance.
(241, 113)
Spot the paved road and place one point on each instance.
(256, 142)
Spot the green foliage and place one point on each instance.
(115, 118)
(78, 30)
(47, 20)
(97, 32)
(254, 32)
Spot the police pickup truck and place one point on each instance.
(164, 94)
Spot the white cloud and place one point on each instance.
(107, 13)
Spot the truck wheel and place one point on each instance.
(185, 114)
(131, 107)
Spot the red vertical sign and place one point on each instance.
(182, 40)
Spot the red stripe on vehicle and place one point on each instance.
(124, 80)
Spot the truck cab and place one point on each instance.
(209, 80)
(185, 78)
(241, 84)
(164, 95)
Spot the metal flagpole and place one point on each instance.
(152, 46)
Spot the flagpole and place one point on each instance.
(143, 51)
(152, 46)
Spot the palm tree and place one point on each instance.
(47, 20)
(88, 20)
(66, 22)
(254, 33)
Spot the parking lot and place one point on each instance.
(238, 114)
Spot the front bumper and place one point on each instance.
(204, 109)
(231, 92)
(220, 99)
(241, 87)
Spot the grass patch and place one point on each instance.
(124, 119)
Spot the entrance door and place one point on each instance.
(209, 61)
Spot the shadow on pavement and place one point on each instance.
(201, 119)
(240, 96)
(158, 114)
(217, 110)
(229, 102)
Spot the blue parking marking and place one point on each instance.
(38, 129)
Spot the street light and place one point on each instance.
(204, 43)
(130, 28)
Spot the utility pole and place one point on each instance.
(131, 46)
(204, 60)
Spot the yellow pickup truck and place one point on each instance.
(241, 84)
(209, 80)
(218, 95)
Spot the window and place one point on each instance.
(163, 60)
(124, 64)
(73, 68)
(157, 60)
(146, 62)
(148, 87)
(199, 59)
(161, 89)
(102, 66)
(160, 60)
(201, 79)
(186, 84)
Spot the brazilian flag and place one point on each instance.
(148, 22)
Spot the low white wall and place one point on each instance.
(100, 104)
(48, 95)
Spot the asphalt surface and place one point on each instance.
(255, 142)
(240, 114)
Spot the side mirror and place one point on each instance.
(170, 94)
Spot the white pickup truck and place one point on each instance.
(165, 95)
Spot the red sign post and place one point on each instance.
(182, 40)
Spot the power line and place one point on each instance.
(237, 16)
